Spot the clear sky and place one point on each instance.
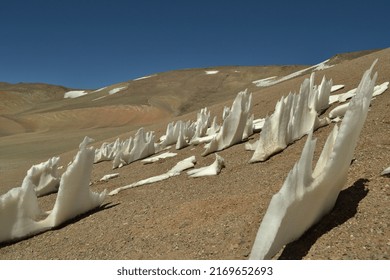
(90, 44)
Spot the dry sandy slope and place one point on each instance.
(218, 217)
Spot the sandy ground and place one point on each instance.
(218, 217)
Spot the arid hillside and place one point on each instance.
(213, 217)
(37, 122)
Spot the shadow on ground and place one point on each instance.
(344, 209)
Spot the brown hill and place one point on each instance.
(37, 122)
(204, 218)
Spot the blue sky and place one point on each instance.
(90, 44)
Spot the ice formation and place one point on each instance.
(45, 176)
(204, 139)
(258, 124)
(386, 171)
(109, 176)
(234, 128)
(181, 134)
(20, 215)
(125, 152)
(336, 88)
(74, 195)
(140, 147)
(294, 117)
(214, 127)
(306, 195)
(107, 151)
(176, 133)
(175, 171)
(158, 157)
(211, 170)
(320, 95)
(248, 130)
(379, 89)
(265, 82)
(201, 125)
(340, 110)
(342, 97)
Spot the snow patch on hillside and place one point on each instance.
(272, 80)
(211, 72)
(116, 90)
(265, 82)
(75, 93)
(145, 77)
(101, 97)
(100, 89)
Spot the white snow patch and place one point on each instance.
(158, 157)
(342, 97)
(75, 93)
(101, 97)
(115, 90)
(175, 171)
(322, 66)
(272, 80)
(211, 72)
(109, 176)
(265, 82)
(100, 89)
(211, 170)
(202, 140)
(145, 77)
(379, 89)
(336, 88)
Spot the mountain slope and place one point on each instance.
(216, 217)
